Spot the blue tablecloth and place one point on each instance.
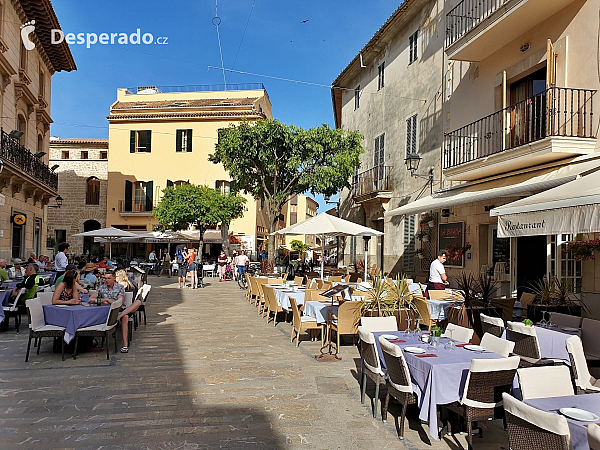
(553, 342)
(75, 317)
(4, 297)
(319, 310)
(589, 402)
(439, 380)
(438, 308)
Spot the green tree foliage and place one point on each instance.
(299, 246)
(189, 204)
(273, 161)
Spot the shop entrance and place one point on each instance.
(531, 261)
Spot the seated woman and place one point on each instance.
(67, 291)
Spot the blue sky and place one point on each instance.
(276, 43)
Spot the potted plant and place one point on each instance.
(399, 293)
(422, 236)
(487, 287)
(583, 250)
(429, 219)
(419, 253)
(553, 295)
(456, 251)
(436, 334)
(377, 303)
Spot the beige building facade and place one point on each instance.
(27, 184)
(83, 184)
(298, 209)
(159, 139)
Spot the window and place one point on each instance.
(139, 200)
(412, 46)
(65, 154)
(92, 193)
(85, 155)
(22, 126)
(139, 141)
(411, 135)
(223, 186)
(563, 264)
(138, 196)
(103, 155)
(381, 78)
(23, 58)
(42, 81)
(183, 141)
(379, 157)
(357, 97)
(409, 243)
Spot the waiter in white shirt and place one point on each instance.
(438, 280)
(61, 260)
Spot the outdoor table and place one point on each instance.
(589, 402)
(283, 298)
(4, 297)
(74, 317)
(552, 342)
(319, 310)
(437, 380)
(10, 284)
(438, 308)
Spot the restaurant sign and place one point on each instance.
(573, 220)
(451, 237)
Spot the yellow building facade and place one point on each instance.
(159, 139)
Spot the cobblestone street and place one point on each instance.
(205, 372)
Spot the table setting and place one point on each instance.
(73, 317)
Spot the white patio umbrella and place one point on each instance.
(325, 225)
(109, 234)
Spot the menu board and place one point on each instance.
(500, 249)
(451, 234)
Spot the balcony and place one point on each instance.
(555, 124)
(18, 159)
(475, 29)
(136, 209)
(372, 184)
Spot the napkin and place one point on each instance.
(397, 341)
(461, 345)
(426, 355)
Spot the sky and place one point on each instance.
(310, 41)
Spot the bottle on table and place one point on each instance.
(99, 299)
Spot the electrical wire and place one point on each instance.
(243, 35)
(107, 127)
(216, 22)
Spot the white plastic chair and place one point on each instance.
(206, 268)
(594, 436)
(45, 297)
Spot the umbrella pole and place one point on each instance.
(322, 254)
(366, 259)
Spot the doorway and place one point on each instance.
(531, 261)
(17, 241)
(89, 246)
(528, 109)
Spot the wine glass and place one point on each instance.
(543, 323)
(450, 345)
(418, 331)
(407, 331)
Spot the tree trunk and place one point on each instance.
(201, 243)
(273, 216)
(225, 237)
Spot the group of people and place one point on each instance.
(185, 262)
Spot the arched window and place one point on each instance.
(22, 126)
(40, 143)
(92, 194)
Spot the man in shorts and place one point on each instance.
(182, 270)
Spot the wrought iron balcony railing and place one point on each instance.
(557, 111)
(372, 181)
(467, 15)
(12, 151)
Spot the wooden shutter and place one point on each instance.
(148, 136)
(233, 188)
(550, 66)
(169, 183)
(376, 155)
(149, 195)
(381, 149)
(178, 136)
(128, 195)
(408, 136)
(189, 141)
(132, 141)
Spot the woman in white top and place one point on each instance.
(438, 280)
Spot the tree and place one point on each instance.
(189, 204)
(273, 162)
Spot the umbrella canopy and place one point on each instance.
(110, 234)
(326, 225)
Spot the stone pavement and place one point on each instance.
(205, 372)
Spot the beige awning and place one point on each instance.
(571, 208)
(210, 236)
(525, 184)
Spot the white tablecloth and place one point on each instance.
(283, 298)
(438, 308)
(319, 310)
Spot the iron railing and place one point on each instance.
(555, 112)
(372, 181)
(12, 151)
(135, 207)
(200, 88)
(467, 15)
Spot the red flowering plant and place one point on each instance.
(582, 250)
(455, 251)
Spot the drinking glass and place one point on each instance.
(450, 345)
(407, 331)
(543, 322)
(418, 331)
(549, 320)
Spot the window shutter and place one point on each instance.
(414, 134)
(149, 195)
(128, 195)
(148, 136)
(233, 188)
(132, 141)
(178, 136)
(169, 183)
(189, 141)
(381, 149)
(376, 156)
(408, 136)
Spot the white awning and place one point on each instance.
(517, 185)
(571, 208)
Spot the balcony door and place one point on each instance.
(528, 109)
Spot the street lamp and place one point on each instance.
(412, 162)
(59, 202)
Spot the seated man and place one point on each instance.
(42, 262)
(18, 271)
(3, 272)
(30, 283)
(89, 274)
(59, 279)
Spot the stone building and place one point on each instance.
(27, 184)
(82, 183)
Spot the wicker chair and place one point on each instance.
(399, 385)
(314, 295)
(594, 436)
(371, 324)
(482, 396)
(492, 325)
(544, 382)
(529, 427)
(260, 302)
(298, 281)
(526, 345)
(371, 366)
(353, 277)
(565, 320)
(271, 305)
(38, 328)
(497, 345)
(438, 295)
(423, 310)
(583, 381)
(335, 279)
(102, 330)
(254, 295)
(346, 321)
(303, 323)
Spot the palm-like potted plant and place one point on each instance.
(377, 302)
(399, 293)
(553, 295)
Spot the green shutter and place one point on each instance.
(189, 141)
(128, 195)
(169, 183)
(233, 188)
(178, 140)
(148, 136)
(132, 141)
(149, 195)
